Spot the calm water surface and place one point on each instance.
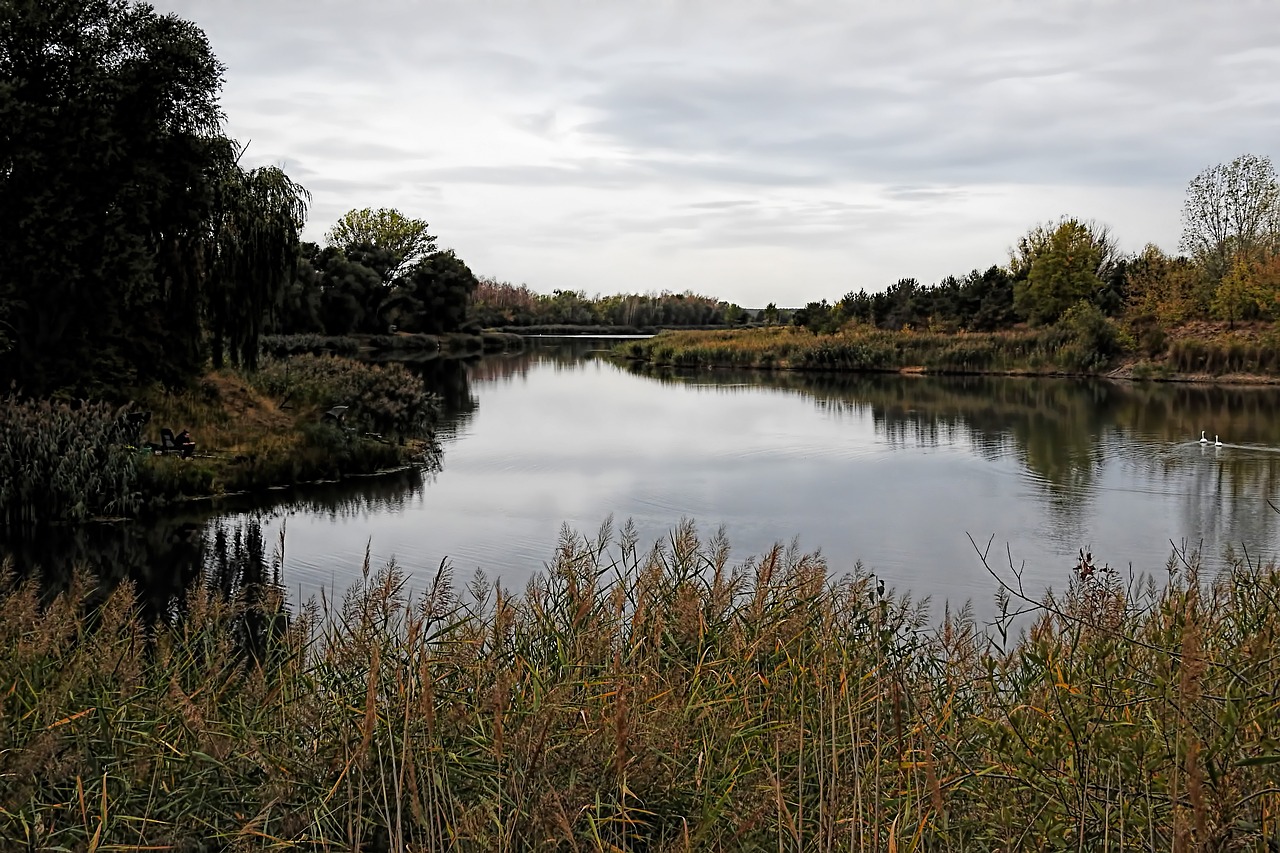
(897, 472)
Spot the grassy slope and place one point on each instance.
(247, 441)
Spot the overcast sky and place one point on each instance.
(756, 151)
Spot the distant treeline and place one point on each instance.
(998, 298)
(1229, 270)
(498, 303)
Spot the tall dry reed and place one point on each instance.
(660, 699)
(64, 462)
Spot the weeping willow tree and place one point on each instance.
(131, 241)
(254, 255)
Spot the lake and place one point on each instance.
(899, 472)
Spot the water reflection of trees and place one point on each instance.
(559, 353)
(1224, 491)
(358, 497)
(1064, 432)
(162, 557)
(447, 379)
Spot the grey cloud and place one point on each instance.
(1029, 114)
(814, 93)
(936, 103)
(722, 204)
(809, 224)
(363, 149)
(540, 123)
(925, 193)
(772, 132)
(591, 174)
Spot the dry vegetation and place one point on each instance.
(1083, 342)
(1091, 345)
(647, 701)
(70, 462)
(265, 428)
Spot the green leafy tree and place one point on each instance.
(405, 241)
(734, 314)
(1059, 264)
(1166, 290)
(1239, 295)
(353, 294)
(987, 300)
(817, 317)
(109, 162)
(570, 307)
(299, 310)
(1092, 339)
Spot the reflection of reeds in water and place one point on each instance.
(647, 701)
(238, 572)
(384, 493)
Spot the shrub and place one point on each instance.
(281, 346)
(383, 398)
(169, 477)
(1092, 339)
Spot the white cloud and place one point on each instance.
(759, 151)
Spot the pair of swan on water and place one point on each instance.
(1203, 440)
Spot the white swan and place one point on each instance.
(1216, 442)
(1203, 440)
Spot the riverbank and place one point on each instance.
(401, 346)
(296, 420)
(1088, 346)
(267, 430)
(587, 330)
(632, 700)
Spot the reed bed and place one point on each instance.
(72, 462)
(645, 700)
(1082, 343)
(64, 462)
(1226, 353)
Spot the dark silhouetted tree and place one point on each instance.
(115, 182)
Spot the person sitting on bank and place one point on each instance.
(186, 444)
